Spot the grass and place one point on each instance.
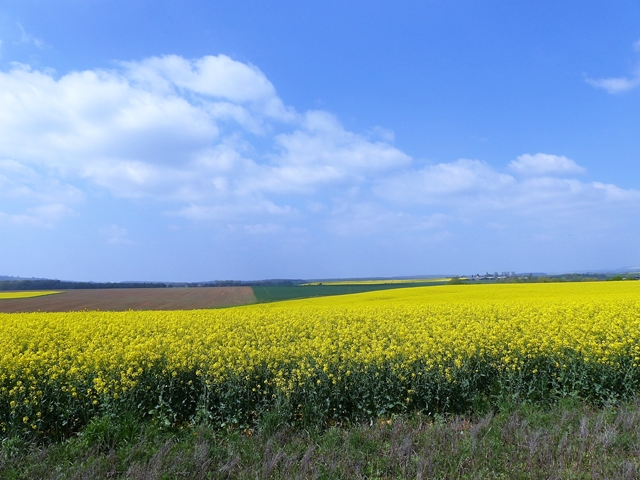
(7, 295)
(382, 281)
(570, 439)
(279, 293)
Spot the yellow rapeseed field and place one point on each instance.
(30, 294)
(430, 349)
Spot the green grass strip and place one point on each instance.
(278, 293)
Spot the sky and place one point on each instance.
(186, 140)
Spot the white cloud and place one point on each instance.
(615, 193)
(33, 197)
(212, 76)
(232, 212)
(211, 131)
(372, 218)
(442, 182)
(473, 190)
(321, 153)
(615, 85)
(20, 182)
(211, 141)
(544, 164)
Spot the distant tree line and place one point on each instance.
(243, 283)
(537, 278)
(569, 277)
(62, 285)
(44, 284)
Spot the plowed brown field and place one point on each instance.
(132, 299)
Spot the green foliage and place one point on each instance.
(325, 398)
(106, 432)
(569, 439)
(567, 277)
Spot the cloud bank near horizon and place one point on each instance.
(209, 140)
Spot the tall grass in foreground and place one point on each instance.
(319, 362)
(570, 440)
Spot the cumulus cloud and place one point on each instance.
(322, 153)
(543, 164)
(209, 130)
(83, 117)
(472, 190)
(210, 140)
(211, 76)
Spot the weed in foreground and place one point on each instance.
(570, 440)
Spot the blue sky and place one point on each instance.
(191, 141)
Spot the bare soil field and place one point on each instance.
(132, 299)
